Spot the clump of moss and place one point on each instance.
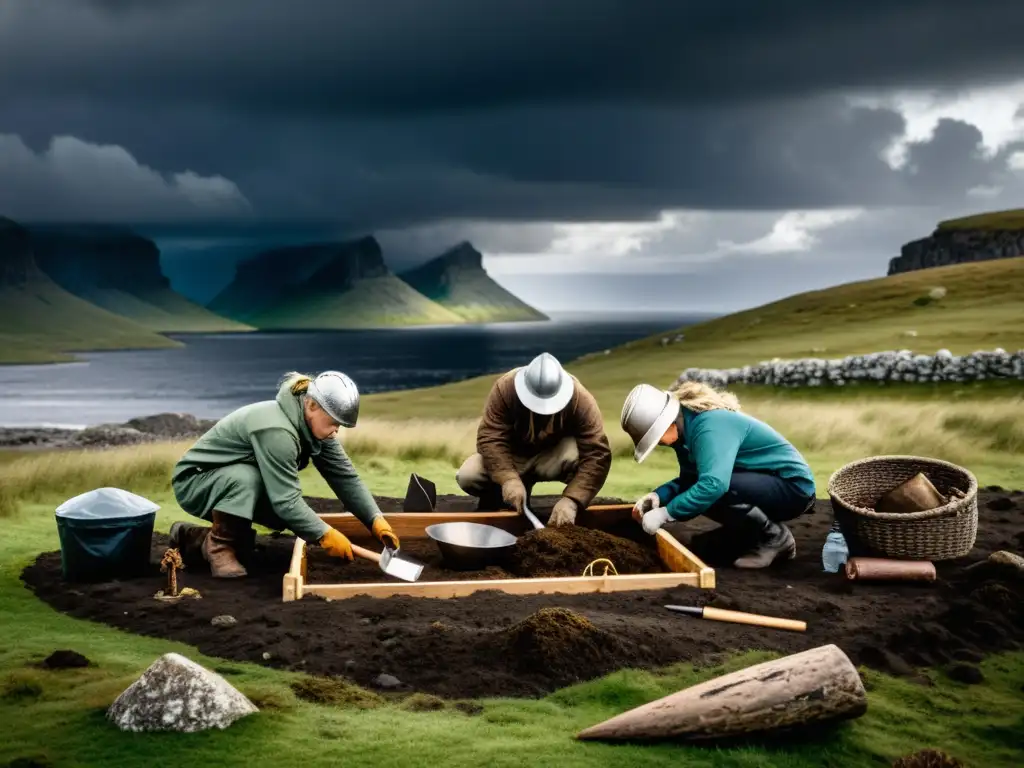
(335, 692)
(423, 702)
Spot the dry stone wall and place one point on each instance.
(877, 367)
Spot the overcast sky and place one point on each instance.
(654, 153)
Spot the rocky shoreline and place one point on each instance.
(147, 429)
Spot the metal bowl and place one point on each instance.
(471, 546)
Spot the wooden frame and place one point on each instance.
(686, 568)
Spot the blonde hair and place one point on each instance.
(297, 382)
(699, 397)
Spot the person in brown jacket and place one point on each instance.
(539, 424)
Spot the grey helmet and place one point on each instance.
(646, 414)
(338, 395)
(543, 386)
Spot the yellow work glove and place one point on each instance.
(337, 545)
(384, 533)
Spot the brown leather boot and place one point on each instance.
(228, 534)
(188, 539)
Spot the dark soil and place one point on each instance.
(567, 551)
(65, 660)
(494, 644)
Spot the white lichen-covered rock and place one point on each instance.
(874, 368)
(176, 694)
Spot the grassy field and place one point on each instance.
(165, 311)
(58, 716)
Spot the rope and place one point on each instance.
(608, 564)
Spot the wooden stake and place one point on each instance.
(814, 686)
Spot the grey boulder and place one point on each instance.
(176, 694)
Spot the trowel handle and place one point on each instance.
(534, 521)
(366, 553)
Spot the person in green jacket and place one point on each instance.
(733, 468)
(245, 470)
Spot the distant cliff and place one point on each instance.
(17, 265)
(972, 239)
(42, 322)
(119, 270)
(325, 286)
(458, 281)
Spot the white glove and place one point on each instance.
(647, 503)
(654, 519)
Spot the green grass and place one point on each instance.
(43, 323)
(58, 716)
(375, 302)
(1012, 219)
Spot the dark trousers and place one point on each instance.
(778, 498)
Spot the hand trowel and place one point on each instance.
(391, 563)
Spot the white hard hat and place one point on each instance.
(543, 386)
(646, 414)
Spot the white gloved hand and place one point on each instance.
(563, 513)
(645, 504)
(654, 519)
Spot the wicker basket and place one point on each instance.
(935, 534)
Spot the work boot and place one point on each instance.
(227, 536)
(778, 542)
(188, 539)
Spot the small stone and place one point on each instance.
(350, 666)
(966, 673)
(176, 694)
(387, 681)
(266, 655)
(223, 621)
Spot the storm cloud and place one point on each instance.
(681, 133)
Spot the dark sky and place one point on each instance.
(196, 118)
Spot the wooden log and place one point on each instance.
(814, 686)
(883, 569)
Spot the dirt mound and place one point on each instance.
(460, 648)
(928, 758)
(564, 645)
(568, 550)
(65, 660)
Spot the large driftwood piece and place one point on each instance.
(814, 686)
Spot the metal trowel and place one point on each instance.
(391, 563)
(534, 520)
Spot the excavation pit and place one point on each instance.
(605, 551)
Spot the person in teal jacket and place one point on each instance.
(245, 470)
(733, 468)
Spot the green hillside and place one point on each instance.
(164, 310)
(1012, 219)
(373, 302)
(982, 309)
(457, 280)
(41, 322)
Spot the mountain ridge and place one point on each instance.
(456, 279)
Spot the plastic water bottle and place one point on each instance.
(835, 552)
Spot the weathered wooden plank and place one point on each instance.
(569, 585)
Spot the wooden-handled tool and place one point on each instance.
(738, 617)
(391, 563)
